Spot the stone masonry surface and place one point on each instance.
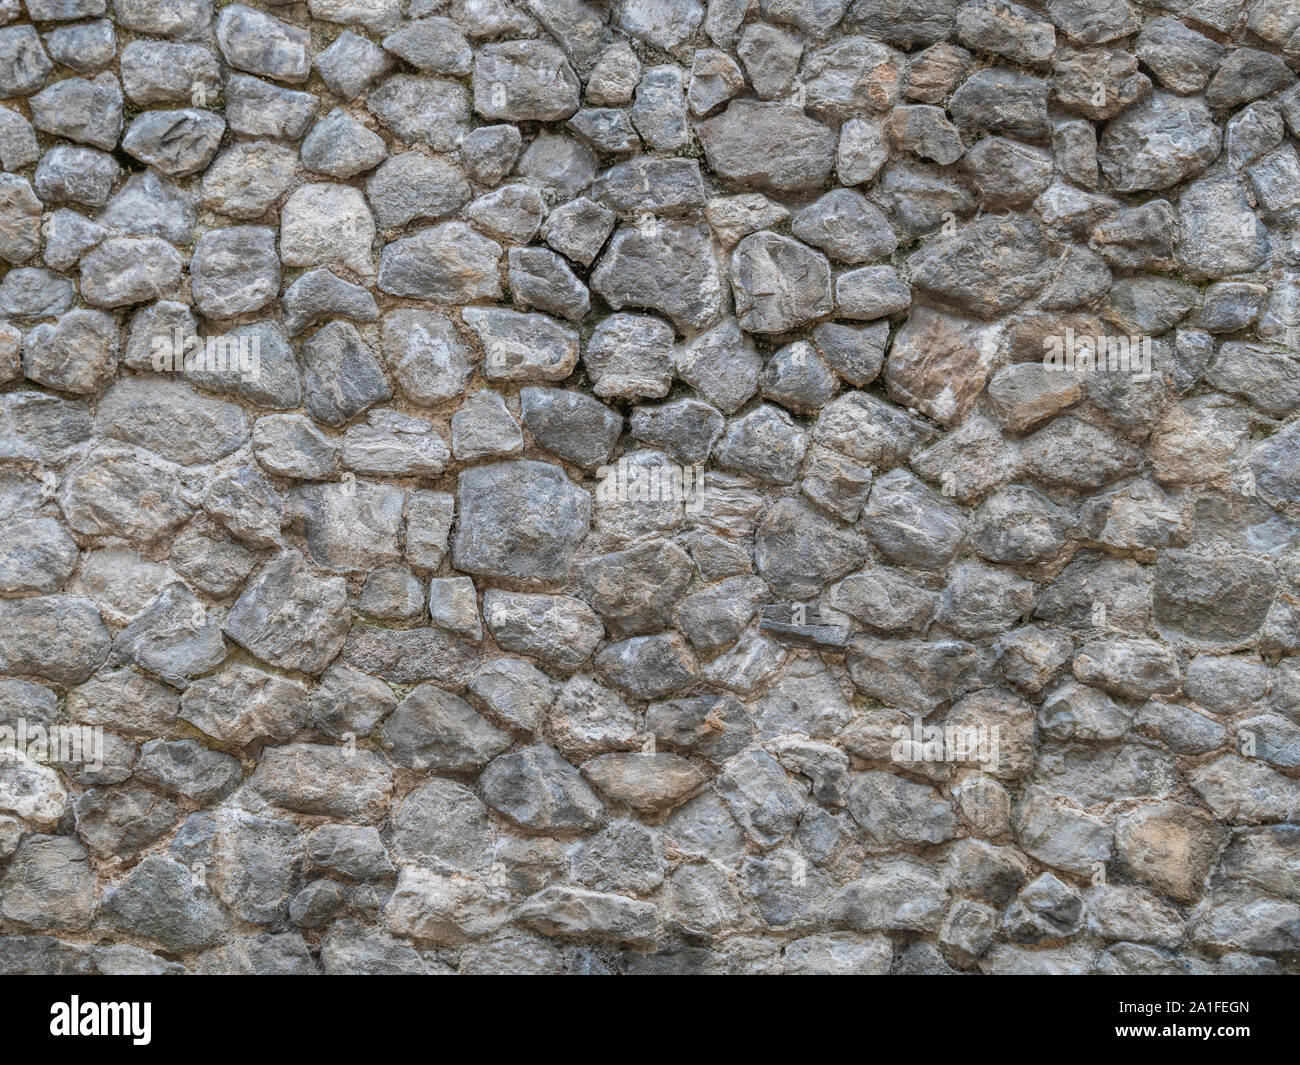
(650, 486)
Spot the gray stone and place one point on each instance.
(150, 206)
(1177, 55)
(80, 110)
(239, 704)
(343, 376)
(538, 789)
(257, 108)
(407, 186)
(290, 616)
(259, 43)
(648, 667)
(761, 797)
(351, 65)
(187, 768)
(765, 443)
(633, 271)
(447, 263)
(578, 229)
(519, 520)
(430, 111)
(24, 65)
(163, 71)
(659, 108)
(177, 143)
(523, 80)
(161, 901)
(570, 425)
(235, 270)
(772, 145)
(778, 283)
(988, 268)
(49, 883)
(1127, 154)
(140, 411)
(318, 779)
(78, 175)
(1002, 101)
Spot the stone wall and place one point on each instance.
(560, 486)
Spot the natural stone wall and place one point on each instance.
(565, 487)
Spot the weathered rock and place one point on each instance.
(769, 144)
(1157, 143)
(538, 789)
(291, 616)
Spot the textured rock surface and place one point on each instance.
(652, 486)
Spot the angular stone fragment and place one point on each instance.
(257, 108)
(649, 783)
(239, 704)
(161, 900)
(49, 884)
(763, 799)
(578, 913)
(559, 630)
(510, 213)
(142, 411)
(519, 519)
(648, 667)
(523, 346)
(578, 229)
(778, 283)
(78, 353)
(765, 443)
(1157, 143)
(483, 428)
(188, 768)
(351, 65)
(1098, 83)
(79, 175)
(523, 80)
(247, 179)
(235, 270)
(426, 354)
(259, 43)
(175, 638)
(419, 110)
(433, 729)
(395, 445)
(291, 616)
(121, 821)
(772, 145)
(540, 278)
(329, 781)
(643, 268)
(178, 143)
(939, 364)
(1220, 234)
(538, 789)
(435, 44)
(988, 268)
(327, 224)
(20, 219)
(1002, 101)
(340, 146)
(412, 185)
